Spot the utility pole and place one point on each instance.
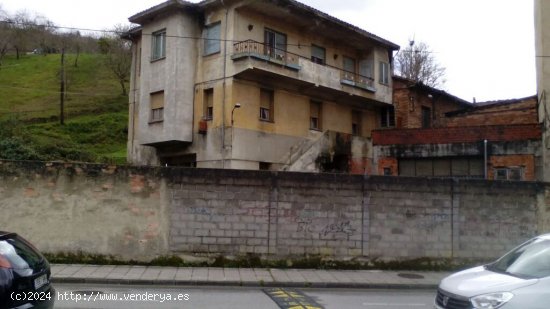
(62, 92)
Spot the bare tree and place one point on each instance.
(118, 54)
(417, 63)
(5, 33)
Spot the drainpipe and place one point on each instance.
(224, 83)
(485, 157)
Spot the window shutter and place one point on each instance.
(318, 53)
(349, 64)
(212, 39)
(157, 100)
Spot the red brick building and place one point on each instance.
(437, 134)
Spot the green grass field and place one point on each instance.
(96, 114)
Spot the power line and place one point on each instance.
(58, 92)
(145, 34)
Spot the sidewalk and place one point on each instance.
(253, 277)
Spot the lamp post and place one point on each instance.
(238, 105)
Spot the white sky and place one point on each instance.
(486, 46)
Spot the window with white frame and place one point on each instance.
(158, 45)
(157, 106)
(275, 44)
(212, 39)
(384, 77)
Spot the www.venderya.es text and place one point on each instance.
(95, 296)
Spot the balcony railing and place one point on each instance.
(357, 80)
(266, 52)
(291, 60)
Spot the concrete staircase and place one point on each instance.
(303, 155)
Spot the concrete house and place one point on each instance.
(267, 84)
(542, 44)
(434, 133)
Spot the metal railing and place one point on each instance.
(357, 79)
(253, 47)
(279, 55)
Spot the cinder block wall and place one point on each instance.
(144, 212)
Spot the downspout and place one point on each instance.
(224, 83)
(134, 92)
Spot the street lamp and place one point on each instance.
(238, 105)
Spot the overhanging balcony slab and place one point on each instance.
(306, 88)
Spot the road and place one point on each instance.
(96, 296)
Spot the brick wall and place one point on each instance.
(389, 163)
(456, 135)
(139, 213)
(526, 162)
(409, 98)
(521, 111)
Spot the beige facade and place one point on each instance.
(542, 41)
(296, 74)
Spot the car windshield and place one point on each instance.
(19, 253)
(530, 260)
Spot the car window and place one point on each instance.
(531, 259)
(19, 254)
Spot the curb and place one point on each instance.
(175, 283)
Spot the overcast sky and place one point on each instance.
(486, 46)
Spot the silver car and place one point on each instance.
(518, 280)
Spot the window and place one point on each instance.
(387, 117)
(318, 54)
(426, 117)
(510, 173)
(356, 122)
(384, 77)
(275, 44)
(212, 39)
(366, 68)
(315, 115)
(349, 68)
(208, 104)
(158, 48)
(387, 171)
(157, 106)
(266, 105)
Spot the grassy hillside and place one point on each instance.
(96, 115)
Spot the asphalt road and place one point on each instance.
(103, 296)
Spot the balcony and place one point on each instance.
(258, 61)
(264, 52)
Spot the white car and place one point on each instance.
(518, 280)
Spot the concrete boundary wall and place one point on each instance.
(144, 212)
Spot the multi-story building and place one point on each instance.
(266, 84)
